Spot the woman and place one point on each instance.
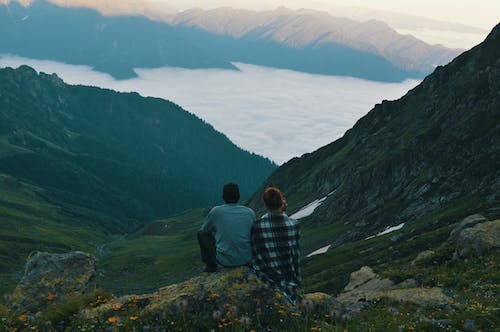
(275, 246)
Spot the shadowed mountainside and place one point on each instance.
(436, 147)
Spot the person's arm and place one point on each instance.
(296, 253)
(256, 242)
(208, 224)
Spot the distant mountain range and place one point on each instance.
(303, 40)
(433, 152)
(311, 29)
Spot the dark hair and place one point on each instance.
(231, 193)
(273, 198)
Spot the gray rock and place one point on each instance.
(479, 239)
(468, 222)
(53, 278)
(359, 278)
(408, 283)
(423, 255)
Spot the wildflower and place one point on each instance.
(50, 297)
(245, 320)
(22, 318)
(215, 294)
(307, 304)
(234, 310)
(314, 328)
(182, 305)
(217, 315)
(113, 319)
(411, 328)
(116, 307)
(134, 318)
(281, 312)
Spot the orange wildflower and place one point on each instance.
(133, 318)
(215, 294)
(50, 297)
(281, 312)
(113, 319)
(22, 318)
(117, 307)
(411, 328)
(314, 328)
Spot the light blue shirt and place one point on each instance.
(231, 225)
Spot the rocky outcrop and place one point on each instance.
(468, 222)
(479, 239)
(50, 279)
(365, 286)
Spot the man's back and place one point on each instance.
(231, 225)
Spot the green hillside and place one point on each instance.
(78, 164)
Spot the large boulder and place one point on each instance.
(365, 287)
(468, 222)
(50, 279)
(479, 239)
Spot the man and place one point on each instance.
(224, 237)
(275, 246)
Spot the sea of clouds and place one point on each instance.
(276, 113)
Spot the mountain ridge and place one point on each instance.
(406, 158)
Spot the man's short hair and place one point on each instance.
(231, 193)
(273, 198)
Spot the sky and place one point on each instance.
(478, 13)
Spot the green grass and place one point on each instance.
(164, 252)
(29, 223)
(330, 272)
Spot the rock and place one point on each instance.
(479, 239)
(468, 222)
(423, 255)
(408, 283)
(53, 278)
(200, 295)
(365, 287)
(366, 279)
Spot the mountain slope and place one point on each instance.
(436, 148)
(120, 154)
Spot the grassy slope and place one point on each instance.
(29, 223)
(164, 252)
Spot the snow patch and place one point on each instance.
(307, 210)
(387, 231)
(319, 251)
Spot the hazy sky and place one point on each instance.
(479, 13)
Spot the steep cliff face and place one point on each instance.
(436, 147)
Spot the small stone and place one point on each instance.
(470, 325)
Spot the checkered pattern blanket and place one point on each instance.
(275, 252)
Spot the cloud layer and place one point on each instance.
(277, 113)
